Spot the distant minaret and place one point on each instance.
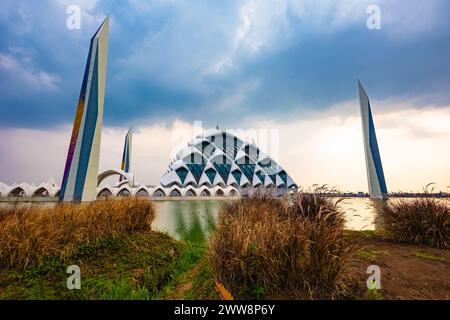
(375, 174)
(126, 158)
(81, 171)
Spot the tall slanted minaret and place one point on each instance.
(126, 157)
(375, 174)
(81, 171)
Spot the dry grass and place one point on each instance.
(29, 235)
(270, 248)
(421, 221)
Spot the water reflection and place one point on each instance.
(187, 220)
(194, 220)
(363, 213)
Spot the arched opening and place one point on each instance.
(192, 184)
(246, 185)
(124, 193)
(159, 193)
(233, 193)
(17, 193)
(205, 193)
(220, 193)
(142, 193)
(207, 184)
(41, 193)
(234, 184)
(191, 193)
(175, 193)
(174, 183)
(221, 184)
(104, 193)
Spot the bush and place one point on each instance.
(29, 235)
(271, 248)
(421, 221)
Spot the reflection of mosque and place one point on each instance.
(194, 220)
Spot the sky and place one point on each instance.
(284, 68)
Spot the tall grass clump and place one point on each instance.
(269, 248)
(424, 220)
(29, 235)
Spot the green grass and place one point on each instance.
(185, 262)
(374, 294)
(429, 256)
(367, 234)
(371, 255)
(203, 285)
(142, 265)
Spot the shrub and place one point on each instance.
(29, 235)
(269, 248)
(423, 220)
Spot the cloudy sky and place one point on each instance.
(284, 68)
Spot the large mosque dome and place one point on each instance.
(218, 158)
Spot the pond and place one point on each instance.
(194, 220)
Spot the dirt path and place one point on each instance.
(184, 284)
(407, 271)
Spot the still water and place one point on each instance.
(194, 220)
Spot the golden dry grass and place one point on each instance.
(269, 248)
(423, 220)
(29, 235)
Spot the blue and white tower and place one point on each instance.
(375, 174)
(81, 171)
(126, 157)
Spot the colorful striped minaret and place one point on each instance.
(81, 171)
(126, 158)
(375, 174)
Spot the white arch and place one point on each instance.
(230, 190)
(113, 172)
(220, 183)
(158, 191)
(102, 190)
(206, 184)
(204, 191)
(26, 190)
(17, 192)
(140, 190)
(189, 192)
(118, 191)
(173, 191)
(218, 192)
(41, 192)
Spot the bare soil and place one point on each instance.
(408, 272)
